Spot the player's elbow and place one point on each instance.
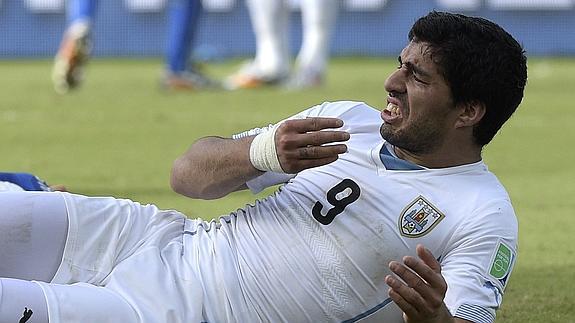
(187, 181)
(179, 179)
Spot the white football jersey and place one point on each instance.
(318, 249)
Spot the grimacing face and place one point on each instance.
(420, 108)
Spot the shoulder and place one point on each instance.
(492, 203)
(487, 205)
(340, 109)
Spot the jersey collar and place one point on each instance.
(392, 162)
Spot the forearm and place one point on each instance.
(213, 167)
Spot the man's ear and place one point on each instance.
(470, 114)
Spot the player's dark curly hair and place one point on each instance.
(480, 61)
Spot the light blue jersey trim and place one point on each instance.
(369, 312)
(475, 313)
(393, 163)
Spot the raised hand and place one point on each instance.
(421, 294)
(305, 143)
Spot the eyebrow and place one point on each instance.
(414, 67)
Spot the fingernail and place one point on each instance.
(389, 280)
(408, 260)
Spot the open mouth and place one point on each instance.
(391, 113)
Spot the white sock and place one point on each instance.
(318, 19)
(22, 301)
(270, 24)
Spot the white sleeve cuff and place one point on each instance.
(266, 180)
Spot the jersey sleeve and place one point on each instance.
(478, 265)
(326, 109)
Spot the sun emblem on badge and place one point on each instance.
(418, 218)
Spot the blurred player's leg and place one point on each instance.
(75, 47)
(33, 230)
(183, 17)
(318, 19)
(22, 301)
(271, 64)
(81, 10)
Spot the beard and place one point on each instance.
(420, 137)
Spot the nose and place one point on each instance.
(395, 82)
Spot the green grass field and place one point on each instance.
(120, 133)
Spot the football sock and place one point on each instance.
(183, 17)
(33, 231)
(318, 19)
(270, 24)
(22, 301)
(83, 302)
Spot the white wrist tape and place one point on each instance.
(263, 154)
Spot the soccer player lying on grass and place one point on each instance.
(341, 241)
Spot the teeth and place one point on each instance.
(393, 109)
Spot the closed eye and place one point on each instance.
(417, 79)
(411, 69)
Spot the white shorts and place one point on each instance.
(122, 263)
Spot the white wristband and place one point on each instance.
(263, 154)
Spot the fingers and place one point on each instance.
(59, 187)
(306, 143)
(428, 258)
(286, 141)
(306, 132)
(396, 292)
(308, 157)
(421, 287)
(414, 290)
(312, 152)
(313, 124)
(322, 137)
(427, 268)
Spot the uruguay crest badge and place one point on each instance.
(418, 218)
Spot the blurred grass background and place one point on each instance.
(119, 134)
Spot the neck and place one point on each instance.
(442, 157)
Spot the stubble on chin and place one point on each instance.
(419, 139)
